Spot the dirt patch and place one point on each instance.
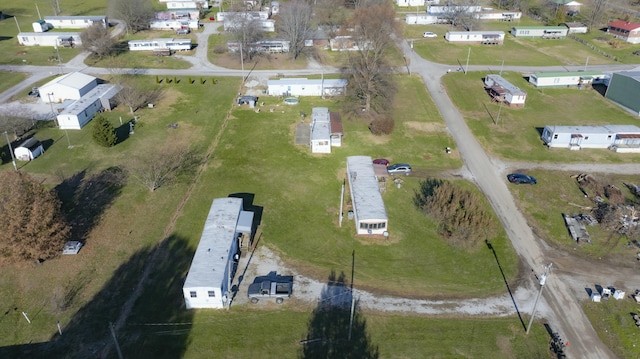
(426, 126)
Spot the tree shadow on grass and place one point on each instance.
(85, 198)
(88, 335)
(123, 131)
(331, 333)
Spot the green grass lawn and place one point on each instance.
(614, 323)
(10, 79)
(516, 136)
(299, 194)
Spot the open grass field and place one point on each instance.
(605, 43)
(516, 135)
(9, 79)
(298, 193)
(613, 320)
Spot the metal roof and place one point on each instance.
(310, 82)
(101, 91)
(634, 74)
(365, 193)
(92, 18)
(320, 124)
(540, 27)
(74, 80)
(607, 129)
(624, 25)
(212, 255)
(568, 74)
(51, 34)
(476, 32)
(508, 86)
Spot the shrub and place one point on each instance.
(381, 124)
(103, 132)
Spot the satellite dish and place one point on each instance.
(385, 234)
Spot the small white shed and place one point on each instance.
(71, 86)
(29, 150)
(40, 26)
(307, 87)
(476, 37)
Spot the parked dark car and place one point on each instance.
(247, 100)
(381, 161)
(399, 169)
(521, 178)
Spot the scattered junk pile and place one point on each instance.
(611, 209)
(557, 345)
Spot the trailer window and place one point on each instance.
(211, 293)
(193, 294)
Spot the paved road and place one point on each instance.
(559, 295)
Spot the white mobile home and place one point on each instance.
(307, 87)
(28, 150)
(450, 9)
(52, 39)
(174, 24)
(71, 86)
(568, 78)
(238, 16)
(620, 138)
(425, 19)
(415, 3)
(369, 212)
(76, 114)
(160, 44)
(476, 37)
(209, 279)
(186, 4)
(503, 91)
(545, 32)
(320, 130)
(75, 22)
(576, 28)
(498, 15)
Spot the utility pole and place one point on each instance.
(466, 69)
(543, 280)
(115, 340)
(13, 158)
(501, 67)
(586, 64)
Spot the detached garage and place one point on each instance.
(71, 86)
(624, 89)
(29, 150)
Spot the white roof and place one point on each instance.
(75, 80)
(101, 91)
(476, 32)
(212, 255)
(320, 124)
(51, 34)
(608, 129)
(365, 193)
(90, 17)
(308, 82)
(512, 89)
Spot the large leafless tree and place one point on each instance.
(462, 15)
(16, 119)
(136, 14)
(156, 169)
(246, 32)
(133, 95)
(295, 24)
(331, 14)
(367, 70)
(97, 40)
(597, 8)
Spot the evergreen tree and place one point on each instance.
(103, 132)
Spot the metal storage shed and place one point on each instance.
(29, 150)
(209, 279)
(370, 214)
(624, 89)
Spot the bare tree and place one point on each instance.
(597, 8)
(97, 40)
(55, 4)
(163, 167)
(136, 14)
(295, 21)
(462, 15)
(134, 95)
(16, 119)
(368, 71)
(245, 31)
(330, 13)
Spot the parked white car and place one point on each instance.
(429, 34)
